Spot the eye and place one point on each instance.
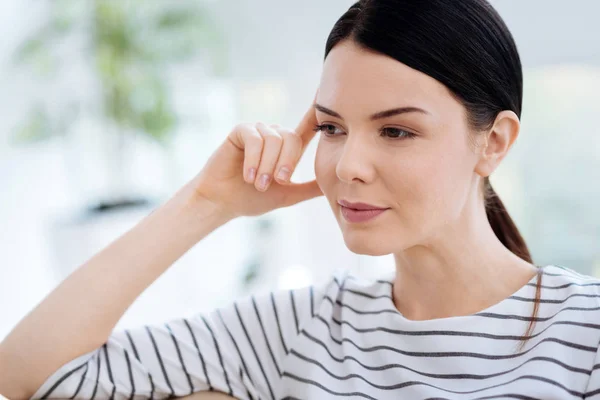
(391, 133)
(396, 133)
(327, 129)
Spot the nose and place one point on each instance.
(354, 164)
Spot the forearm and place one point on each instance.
(79, 315)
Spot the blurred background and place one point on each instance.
(110, 106)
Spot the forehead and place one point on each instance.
(354, 77)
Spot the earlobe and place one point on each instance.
(485, 167)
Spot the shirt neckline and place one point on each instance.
(504, 306)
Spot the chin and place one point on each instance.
(359, 245)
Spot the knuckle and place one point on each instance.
(262, 127)
(256, 140)
(252, 137)
(241, 126)
(273, 139)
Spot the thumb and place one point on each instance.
(298, 192)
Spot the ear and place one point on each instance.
(495, 143)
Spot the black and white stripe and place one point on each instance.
(345, 338)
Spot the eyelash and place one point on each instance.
(405, 134)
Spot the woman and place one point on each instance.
(419, 102)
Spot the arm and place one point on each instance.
(238, 350)
(63, 329)
(78, 316)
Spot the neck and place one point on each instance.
(461, 270)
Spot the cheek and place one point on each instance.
(325, 165)
(443, 181)
(425, 182)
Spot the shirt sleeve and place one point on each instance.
(236, 349)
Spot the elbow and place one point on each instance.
(12, 385)
(16, 395)
(11, 389)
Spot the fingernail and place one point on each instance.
(283, 174)
(264, 181)
(252, 174)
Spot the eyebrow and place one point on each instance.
(378, 115)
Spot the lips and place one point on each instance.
(360, 212)
(360, 206)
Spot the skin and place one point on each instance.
(449, 262)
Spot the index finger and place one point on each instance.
(306, 126)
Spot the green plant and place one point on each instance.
(127, 46)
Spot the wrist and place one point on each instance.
(202, 214)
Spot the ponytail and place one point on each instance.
(503, 225)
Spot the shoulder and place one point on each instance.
(564, 288)
(284, 310)
(341, 289)
(560, 277)
(349, 295)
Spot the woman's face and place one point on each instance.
(424, 182)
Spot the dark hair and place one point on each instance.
(465, 45)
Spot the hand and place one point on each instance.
(241, 178)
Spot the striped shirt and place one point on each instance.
(346, 339)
